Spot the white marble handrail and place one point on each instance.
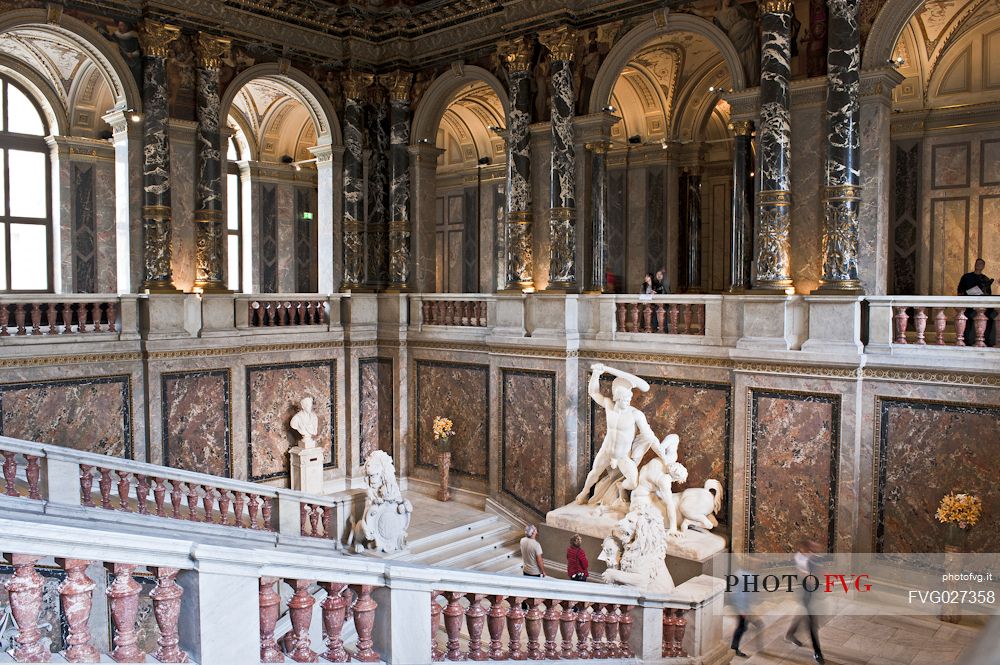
(960, 322)
(52, 317)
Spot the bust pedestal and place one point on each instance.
(307, 469)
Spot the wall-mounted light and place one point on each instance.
(287, 159)
(609, 109)
(896, 62)
(133, 115)
(635, 140)
(423, 141)
(663, 144)
(484, 161)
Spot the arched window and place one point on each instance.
(234, 218)
(25, 189)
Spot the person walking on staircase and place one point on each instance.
(576, 560)
(531, 553)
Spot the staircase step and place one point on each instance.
(509, 566)
(442, 540)
(445, 553)
(479, 553)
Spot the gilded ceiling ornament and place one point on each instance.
(398, 84)
(155, 38)
(516, 55)
(561, 42)
(211, 50)
(355, 83)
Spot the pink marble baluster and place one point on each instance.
(633, 317)
(10, 473)
(269, 311)
(123, 597)
(625, 632)
(252, 503)
(920, 324)
(24, 590)
(4, 319)
(123, 491)
(661, 319)
(439, 312)
(327, 521)
(669, 628)
(940, 323)
(550, 625)
(268, 601)
(76, 592)
(979, 324)
(300, 608)
(475, 621)
(699, 319)
(208, 503)
(265, 511)
(314, 521)
(453, 614)
(460, 318)
(482, 314)
(224, 501)
(425, 306)
(32, 475)
(449, 313)
(167, 610)
(672, 313)
(611, 632)
(533, 627)
(112, 317)
(50, 318)
(681, 625)
(238, 509)
(598, 624)
(334, 609)
(304, 519)
(192, 502)
(647, 317)
(19, 319)
(286, 313)
(141, 493)
(105, 486)
(960, 322)
(85, 309)
(584, 626)
(158, 493)
(567, 621)
(67, 317)
(515, 624)
(36, 319)
(620, 317)
(494, 624)
(364, 623)
(437, 654)
(86, 486)
(900, 320)
(176, 496)
(687, 319)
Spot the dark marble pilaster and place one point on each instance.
(599, 215)
(209, 217)
(354, 255)
(741, 220)
(690, 191)
(155, 39)
(398, 84)
(773, 264)
(377, 226)
(516, 56)
(842, 201)
(561, 43)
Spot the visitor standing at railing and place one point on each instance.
(531, 553)
(661, 282)
(975, 283)
(648, 288)
(577, 566)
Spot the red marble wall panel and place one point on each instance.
(85, 414)
(377, 405)
(273, 396)
(699, 413)
(794, 442)
(528, 438)
(197, 430)
(926, 450)
(460, 392)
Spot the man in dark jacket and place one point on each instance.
(975, 283)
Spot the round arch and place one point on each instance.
(628, 45)
(105, 55)
(886, 29)
(434, 101)
(302, 87)
(41, 91)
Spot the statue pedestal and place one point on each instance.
(307, 469)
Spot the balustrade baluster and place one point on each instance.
(647, 317)
(920, 324)
(533, 627)
(4, 320)
(76, 593)
(269, 601)
(567, 621)
(300, 609)
(208, 503)
(453, 614)
(584, 623)
(449, 313)
(123, 491)
(334, 609)
(112, 314)
(961, 320)
(269, 312)
(669, 627)
(167, 610)
(699, 319)
(424, 311)
(439, 308)
(940, 323)
(253, 309)
(620, 312)
(364, 623)
(304, 519)
(86, 486)
(159, 490)
(483, 314)
(238, 500)
(67, 318)
(24, 591)
(224, 501)
(550, 625)
(597, 626)
(192, 502)
(515, 624)
(19, 319)
(286, 313)
(633, 317)
(50, 319)
(625, 632)
(265, 511)
(979, 325)
(10, 473)
(437, 654)
(141, 493)
(95, 316)
(900, 320)
(494, 623)
(681, 626)
(327, 521)
(461, 313)
(123, 597)
(661, 318)
(475, 621)
(32, 474)
(36, 319)
(672, 314)
(612, 649)
(176, 495)
(105, 486)
(314, 521)
(686, 313)
(252, 504)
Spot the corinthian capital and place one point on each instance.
(398, 84)
(561, 42)
(155, 38)
(741, 127)
(775, 6)
(211, 49)
(355, 83)
(516, 55)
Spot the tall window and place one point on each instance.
(234, 218)
(25, 220)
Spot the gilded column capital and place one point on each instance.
(155, 38)
(599, 147)
(741, 127)
(398, 84)
(561, 42)
(775, 6)
(211, 49)
(515, 54)
(355, 82)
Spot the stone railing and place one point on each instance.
(900, 323)
(66, 481)
(64, 317)
(264, 312)
(686, 319)
(221, 604)
(469, 310)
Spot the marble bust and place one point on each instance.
(306, 423)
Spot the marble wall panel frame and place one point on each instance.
(939, 245)
(123, 380)
(938, 150)
(165, 416)
(989, 176)
(505, 486)
(376, 392)
(751, 450)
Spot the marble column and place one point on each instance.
(209, 216)
(516, 56)
(690, 191)
(842, 200)
(325, 275)
(155, 39)
(376, 114)
(773, 264)
(561, 43)
(741, 219)
(398, 83)
(354, 85)
(599, 215)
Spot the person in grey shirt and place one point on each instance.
(531, 553)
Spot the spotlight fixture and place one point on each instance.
(663, 144)
(423, 141)
(484, 161)
(635, 140)
(609, 109)
(298, 167)
(135, 117)
(287, 159)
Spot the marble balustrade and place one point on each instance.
(927, 323)
(68, 314)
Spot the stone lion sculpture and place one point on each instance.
(387, 514)
(636, 550)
